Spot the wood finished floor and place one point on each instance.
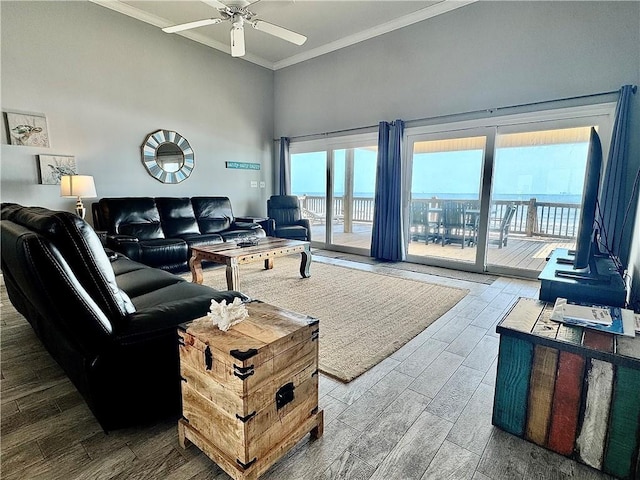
(423, 413)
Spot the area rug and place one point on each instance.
(412, 267)
(364, 317)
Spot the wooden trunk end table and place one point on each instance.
(251, 393)
(573, 390)
(232, 255)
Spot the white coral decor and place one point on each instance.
(225, 316)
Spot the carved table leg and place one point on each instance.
(305, 263)
(195, 264)
(233, 275)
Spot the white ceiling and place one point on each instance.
(328, 24)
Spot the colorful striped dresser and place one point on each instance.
(573, 390)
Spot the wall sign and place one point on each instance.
(243, 165)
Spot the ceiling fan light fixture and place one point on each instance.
(237, 41)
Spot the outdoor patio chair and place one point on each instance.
(458, 226)
(500, 234)
(286, 220)
(425, 222)
(418, 222)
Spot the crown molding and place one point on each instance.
(429, 12)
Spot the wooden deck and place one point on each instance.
(527, 253)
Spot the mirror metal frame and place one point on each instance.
(149, 156)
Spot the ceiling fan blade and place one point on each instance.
(279, 32)
(215, 4)
(237, 41)
(187, 26)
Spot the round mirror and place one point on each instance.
(167, 156)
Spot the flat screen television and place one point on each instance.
(584, 265)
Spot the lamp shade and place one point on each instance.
(79, 186)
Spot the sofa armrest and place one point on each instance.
(305, 223)
(269, 226)
(125, 244)
(162, 319)
(244, 226)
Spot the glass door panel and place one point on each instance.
(354, 182)
(444, 209)
(536, 194)
(309, 183)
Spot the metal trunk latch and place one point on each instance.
(284, 395)
(208, 358)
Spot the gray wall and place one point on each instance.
(105, 81)
(485, 55)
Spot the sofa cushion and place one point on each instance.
(200, 240)
(177, 216)
(135, 216)
(142, 231)
(163, 252)
(212, 213)
(167, 307)
(82, 250)
(122, 264)
(145, 280)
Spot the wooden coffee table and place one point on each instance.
(231, 255)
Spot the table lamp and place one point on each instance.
(79, 186)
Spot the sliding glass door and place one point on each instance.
(354, 184)
(499, 199)
(444, 197)
(538, 179)
(335, 181)
(309, 183)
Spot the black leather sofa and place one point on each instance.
(109, 322)
(160, 231)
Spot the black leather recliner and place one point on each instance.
(285, 216)
(109, 322)
(160, 232)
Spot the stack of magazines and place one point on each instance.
(598, 317)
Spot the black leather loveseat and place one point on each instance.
(109, 322)
(160, 231)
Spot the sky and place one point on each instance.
(520, 172)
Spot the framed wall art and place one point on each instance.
(27, 129)
(52, 167)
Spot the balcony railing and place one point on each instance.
(532, 218)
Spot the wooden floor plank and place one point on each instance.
(473, 428)
(432, 379)
(348, 467)
(454, 395)
(364, 410)
(376, 442)
(452, 462)
(412, 455)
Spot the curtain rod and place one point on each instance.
(473, 112)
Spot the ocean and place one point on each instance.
(540, 197)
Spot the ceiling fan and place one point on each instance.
(238, 13)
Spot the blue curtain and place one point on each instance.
(285, 176)
(612, 194)
(387, 242)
